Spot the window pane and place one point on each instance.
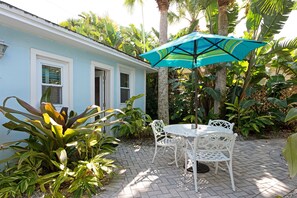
(124, 80)
(125, 95)
(56, 94)
(51, 75)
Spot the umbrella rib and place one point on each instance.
(166, 55)
(216, 44)
(183, 51)
(208, 49)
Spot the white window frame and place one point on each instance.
(131, 72)
(38, 58)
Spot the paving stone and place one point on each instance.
(258, 168)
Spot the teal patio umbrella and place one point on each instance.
(197, 49)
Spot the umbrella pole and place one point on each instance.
(196, 98)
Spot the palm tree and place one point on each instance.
(189, 10)
(132, 40)
(264, 20)
(163, 106)
(220, 83)
(101, 29)
(130, 4)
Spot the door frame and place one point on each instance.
(101, 75)
(109, 83)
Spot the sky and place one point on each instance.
(60, 10)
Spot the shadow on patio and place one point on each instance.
(259, 171)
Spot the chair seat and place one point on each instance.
(167, 142)
(209, 156)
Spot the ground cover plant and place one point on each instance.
(64, 154)
(134, 121)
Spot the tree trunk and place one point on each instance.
(163, 106)
(248, 76)
(221, 75)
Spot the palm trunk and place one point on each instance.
(163, 106)
(221, 75)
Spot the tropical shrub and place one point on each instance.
(152, 95)
(245, 118)
(182, 96)
(134, 121)
(62, 151)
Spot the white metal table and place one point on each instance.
(188, 130)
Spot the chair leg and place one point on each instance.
(194, 167)
(175, 155)
(155, 153)
(229, 165)
(216, 167)
(186, 163)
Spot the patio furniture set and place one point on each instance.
(206, 143)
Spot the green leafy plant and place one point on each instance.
(290, 148)
(245, 118)
(61, 148)
(20, 178)
(135, 121)
(281, 106)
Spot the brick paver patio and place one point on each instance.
(259, 171)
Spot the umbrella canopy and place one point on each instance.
(197, 49)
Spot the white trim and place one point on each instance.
(108, 68)
(144, 91)
(38, 54)
(131, 72)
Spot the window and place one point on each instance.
(52, 77)
(50, 70)
(126, 84)
(125, 87)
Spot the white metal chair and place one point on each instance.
(221, 123)
(211, 147)
(225, 127)
(162, 140)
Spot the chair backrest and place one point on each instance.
(221, 123)
(215, 141)
(158, 129)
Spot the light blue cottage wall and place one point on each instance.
(139, 88)
(15, 72)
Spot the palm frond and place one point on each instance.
(281, 45)
(290, 69)
(232, 16)
(273, 23)
(269, 7)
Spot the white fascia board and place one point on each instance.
(27, 20)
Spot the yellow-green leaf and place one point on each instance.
(46, 118)
(290, 154)
(292, 115)
(58, 130)
(62, 156)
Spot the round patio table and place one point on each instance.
(189, 131)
